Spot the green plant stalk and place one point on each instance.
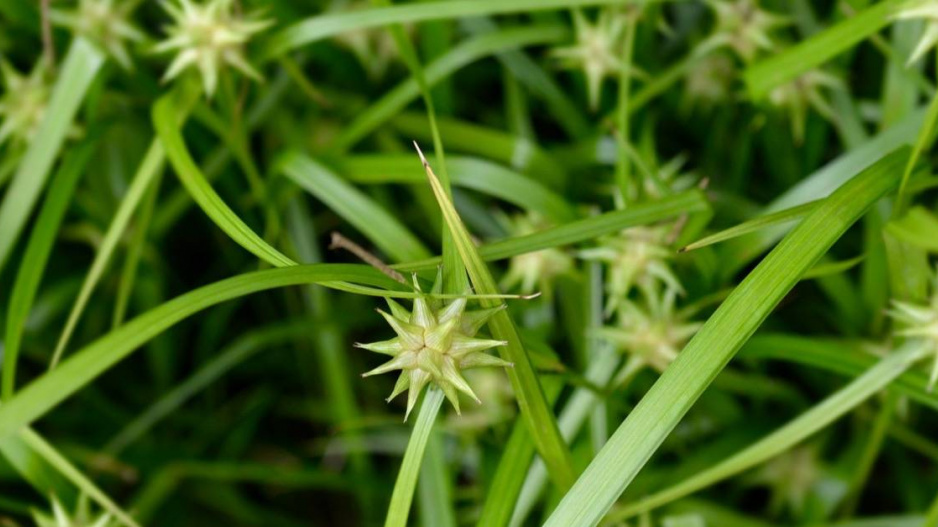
(572, 418)
(534, 408)
(622, 113)
(925, 138)
(35, 469)
(434, 486)
(51, 455)
(714, 345)
(134, 251)
(79, 70)
(820, 415)
(37, 254)
(23, 451)
(871, 449)
(454, 282)
(147, 173)
(43, 394)
(403, 494)
(512, 469)
(842, 358)
(915, 442)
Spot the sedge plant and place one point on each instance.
(664, 264)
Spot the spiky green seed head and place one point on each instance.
(209, 37)
(636, 257)
(434, 345)
(23, 102)
(104, 23)
(534, 271)
(710, 81)
(791, 477)
(920, 321)
(926, 10)
(374, 48)
(796, 96)
(744, 27)
(652, 330)
(80, 517)
(597, 50)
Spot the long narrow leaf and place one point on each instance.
(524, 381)
(80, 68)
(43, 394)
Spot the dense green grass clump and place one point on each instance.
(665, 263)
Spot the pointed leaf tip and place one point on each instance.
(422, 158)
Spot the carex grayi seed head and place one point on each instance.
(209, 37)
(920, 320)
(435, 343)
(105, 23)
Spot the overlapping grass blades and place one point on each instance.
(710, 350)
(534, 408)
(43, 394)
(324, 26)
(819, 416)
(79, 70)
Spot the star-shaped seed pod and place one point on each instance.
(23, 102)
(744, 27)
(920, 321)
(795, 97)
(434, 343)
(81, 517)
(597, 50)
(374, 48)
(209, 37)
(103, 23)
(533, 271)
(652, 331)
(635, 257)
(710, 81)
(926, 10)
(791, 477)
